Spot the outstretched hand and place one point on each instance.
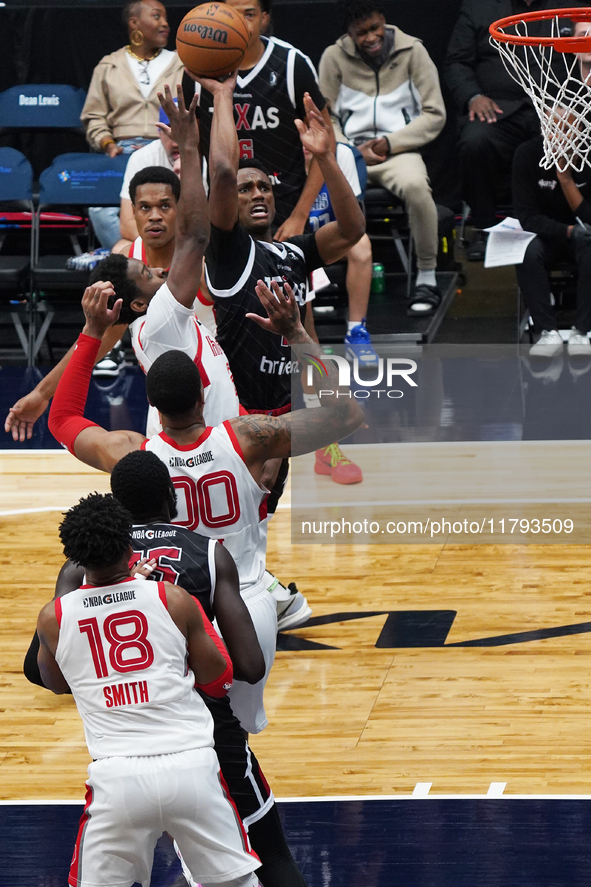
(95, 304)
(281, 307)
(183, 127)
(23, 414)
(314, 132)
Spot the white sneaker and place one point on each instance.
(293, 612)
(578, 344)
(547, 345)
(292, 606)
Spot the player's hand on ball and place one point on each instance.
(183, 127)
(95, 304)
(314, 132)
(223, 84)
(281, 307)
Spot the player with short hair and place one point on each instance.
(268, 97)
(141, 483)
(159, 318)
(217, 471)
(121, 644)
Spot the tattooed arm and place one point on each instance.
(303, 431)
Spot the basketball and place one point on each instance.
(212, 39)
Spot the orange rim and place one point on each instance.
(562, 44)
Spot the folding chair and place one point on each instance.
(41, 106)
(71, 184)
(383, 210)
(16, 215)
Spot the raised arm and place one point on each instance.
(335, 239)
(22, 416)
(192, 221)
(303, 431)
(224, 153)
(84, 439)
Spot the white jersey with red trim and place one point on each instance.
(137, 250)
(126, 663)
(203, 308)
(217, 495)
(167, 325)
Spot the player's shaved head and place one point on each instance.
(96, 533)
(141, 483)
(173, 384)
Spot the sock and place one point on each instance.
(276, 589)
(351, 324)
(426, 277)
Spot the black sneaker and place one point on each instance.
(111, 363)
(477, 247)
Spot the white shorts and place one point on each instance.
(247, 699)
(131, 801)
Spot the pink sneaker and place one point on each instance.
(331, 460)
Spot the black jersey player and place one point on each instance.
(242, 250)
(268, 96)
(140, 481)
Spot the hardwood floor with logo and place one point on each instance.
(481, 673)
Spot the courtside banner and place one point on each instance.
(464, 444)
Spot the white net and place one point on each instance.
(559, 85)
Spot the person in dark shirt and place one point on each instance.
(555, 205)
(242, 249)
(269, 95)
(142, 484)
(495, 114)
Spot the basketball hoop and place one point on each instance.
(549, 69)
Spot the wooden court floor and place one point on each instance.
(346, 717)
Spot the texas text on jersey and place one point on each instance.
(267, 99)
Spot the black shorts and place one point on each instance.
(245, 780)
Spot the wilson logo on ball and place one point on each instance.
(207, 33)
(212, 39)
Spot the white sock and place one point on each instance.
(351, 324)
(426, 277)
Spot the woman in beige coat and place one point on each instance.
(122, 106)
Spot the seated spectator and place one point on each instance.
(122, 107)
(359, 259)
(162, 151)
(385, 97)
(556, 205)
(495, 114)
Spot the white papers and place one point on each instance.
(506, 244)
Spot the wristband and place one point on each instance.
(107, 141)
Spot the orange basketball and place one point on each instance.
(212, 39)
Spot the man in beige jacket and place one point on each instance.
(385, 97)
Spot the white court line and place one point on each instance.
(320, 799)
(35, 510)
(13, 451)
(421, 789)
(496, 789)
(456, 502)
